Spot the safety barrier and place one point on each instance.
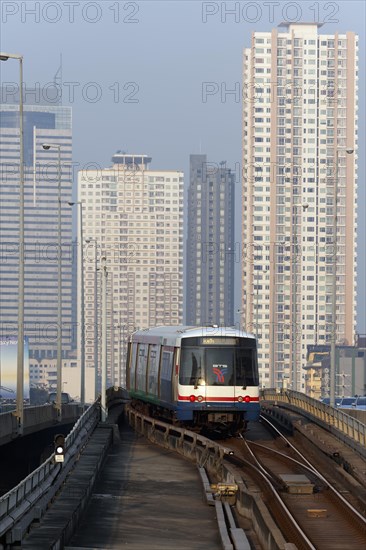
(29, 499)
(342, 425)
(35, 419)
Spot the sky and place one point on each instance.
(163, 78)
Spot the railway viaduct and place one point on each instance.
(88, 440)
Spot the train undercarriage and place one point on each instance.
(219, 424)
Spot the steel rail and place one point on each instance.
(312, 468)
(283, 509)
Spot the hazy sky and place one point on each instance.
(134, 73)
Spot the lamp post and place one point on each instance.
(58, 402)
(273, 380)
(19, 413)
(89, 240)
(112, 336)
(238, 313)
(294, 297)
(117, 336)
(119, 350)
(81, 321)
(104, 341)
(332, 370)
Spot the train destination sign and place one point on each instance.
(211, 341)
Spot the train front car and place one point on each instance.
(217, 389)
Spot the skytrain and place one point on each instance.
(203, 378)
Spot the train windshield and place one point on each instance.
(213, 363)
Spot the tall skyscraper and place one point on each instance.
(299, 194)
(42, 123)
(134, 216)
(210, 244)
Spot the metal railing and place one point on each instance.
(341, 424)
(29, 499)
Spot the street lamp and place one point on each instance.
(111, 376)
(239, 313)
(332, 370)
(272, 302)
(58, 402)
(89, 240)
(294, 296)
(81, 321)
(119, 326)
(19, 413)
(104, 341)
(117, 335)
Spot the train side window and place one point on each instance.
(166, 372)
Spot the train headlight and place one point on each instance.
(192, 398)
(240, 399)
(247, 399)
(200, 398)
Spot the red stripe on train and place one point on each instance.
(227, 399)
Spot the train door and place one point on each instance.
(141, 368)
(175, 374)
(153, 369)
(132, 366)
(167, 374)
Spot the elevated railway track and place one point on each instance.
(22, 505)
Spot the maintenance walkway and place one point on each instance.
(146, 497)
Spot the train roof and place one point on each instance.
(176, 332)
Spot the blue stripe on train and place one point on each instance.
(184, 411)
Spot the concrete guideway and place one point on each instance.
(147, 497)
(150, 497)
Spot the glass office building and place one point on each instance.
(42, 123)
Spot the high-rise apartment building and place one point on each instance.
(299, 194)
(134, 216)
(51, 124)
(210, 244)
